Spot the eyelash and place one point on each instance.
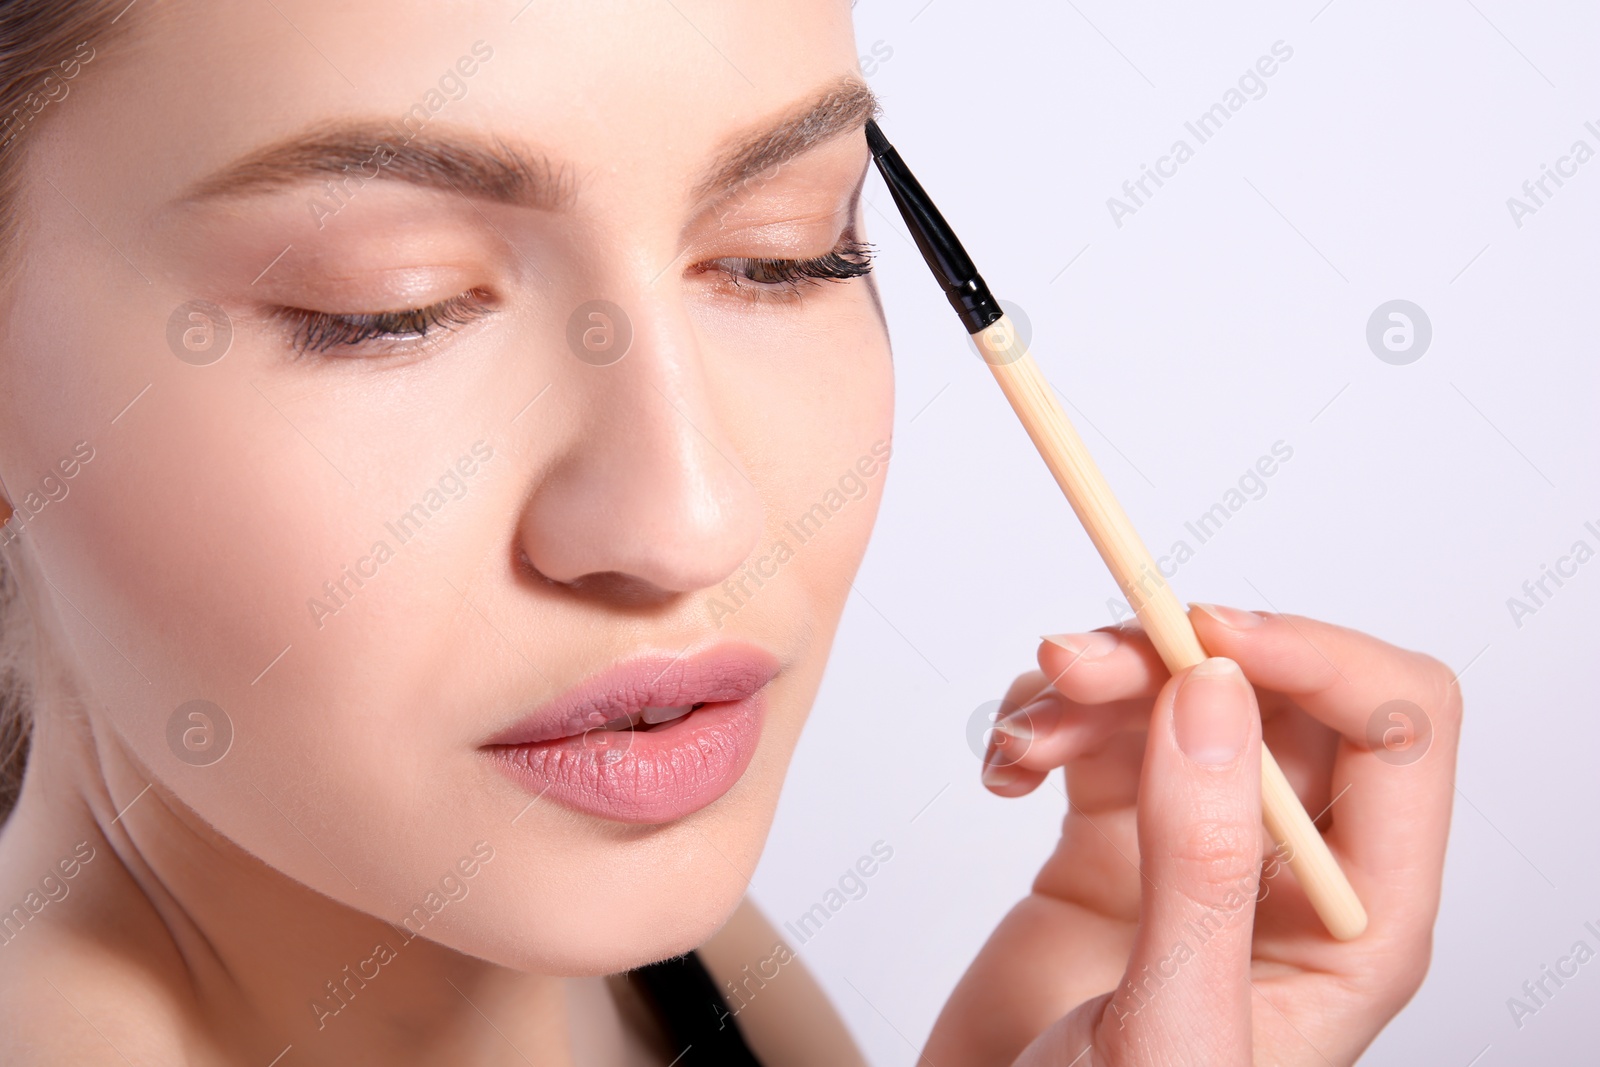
(320, 331)
(762, 279)
(784, 278)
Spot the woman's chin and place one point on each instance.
(591, 951)
(638, 925)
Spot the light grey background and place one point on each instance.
(1228, 313)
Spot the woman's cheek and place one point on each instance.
(188, 555)
(816, 402)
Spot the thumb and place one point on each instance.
(1186, 991)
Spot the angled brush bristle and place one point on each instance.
(876, 140)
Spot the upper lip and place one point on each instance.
(723, 672)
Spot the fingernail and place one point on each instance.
(996, 773)
(1232, 618)
(1013, 735)
(1092, 645)
(1016, 729)
(1210, 712)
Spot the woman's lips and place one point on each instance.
(597, 749)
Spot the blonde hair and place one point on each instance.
(39, 45)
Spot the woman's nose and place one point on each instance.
(650, 492)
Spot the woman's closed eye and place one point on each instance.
(751, 278)
(761, 278)
(322, 332)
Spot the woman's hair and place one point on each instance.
(15, 687)
(41, 53)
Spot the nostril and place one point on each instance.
(621, 589)
(612, 587)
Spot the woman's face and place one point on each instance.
(620, 453)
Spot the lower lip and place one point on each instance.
(644, 776)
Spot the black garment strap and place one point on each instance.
(697, 1020)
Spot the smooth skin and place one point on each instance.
(1164, 890)
(222, 900)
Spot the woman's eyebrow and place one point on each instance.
(843, 106)
(353, 152)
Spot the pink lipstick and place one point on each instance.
(648, 741)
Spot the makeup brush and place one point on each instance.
(1148, 593)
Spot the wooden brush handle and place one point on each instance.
(1159, 611)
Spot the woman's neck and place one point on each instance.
(162, 918)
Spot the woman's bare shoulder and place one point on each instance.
(783, 1012)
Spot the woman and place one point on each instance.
(398, 400)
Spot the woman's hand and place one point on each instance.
(1166, 891)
